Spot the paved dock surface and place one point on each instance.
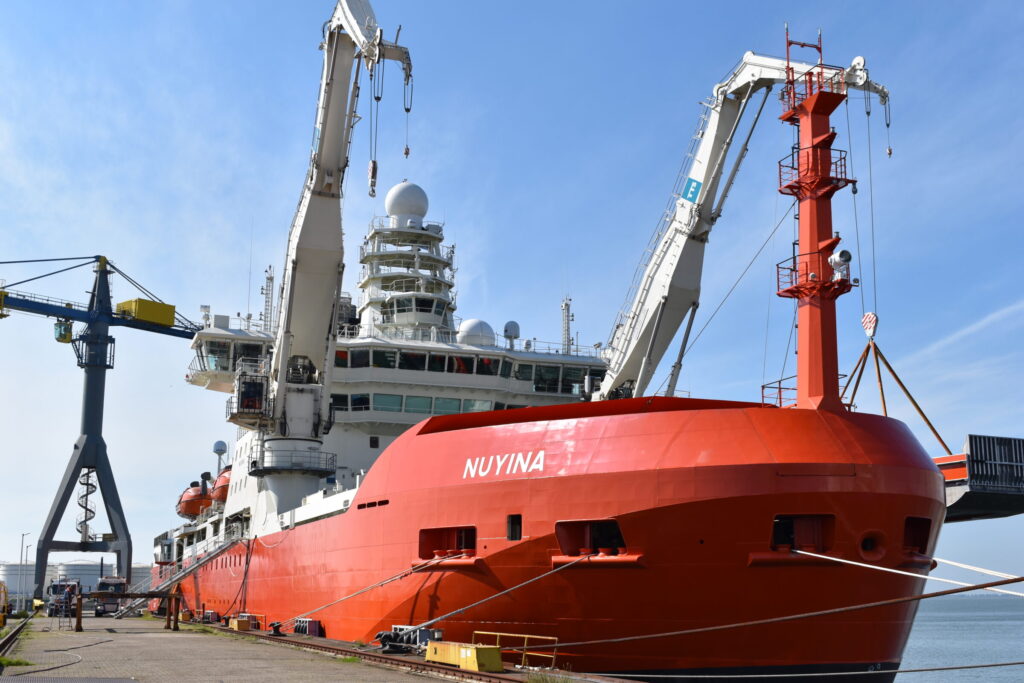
(141, 650)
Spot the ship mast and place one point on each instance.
(818, 275)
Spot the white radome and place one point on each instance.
(406, 199)
(475, 332)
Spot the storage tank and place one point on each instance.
(12, 572)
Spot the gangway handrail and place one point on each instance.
(178, 576)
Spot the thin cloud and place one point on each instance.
(964, 332)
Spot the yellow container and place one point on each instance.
(468, 656)
(148, 311)
(239, 624)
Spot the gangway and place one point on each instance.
(986, 481)
(176, 577)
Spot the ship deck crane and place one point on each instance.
(667, 288)
(295, 402)
(94, 349)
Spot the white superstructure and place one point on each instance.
(401, 355)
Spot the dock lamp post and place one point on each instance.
(24, 598)
(21, 567)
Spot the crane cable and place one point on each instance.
(871, 204)
(856, 222)
(40, 277)
(736, 284)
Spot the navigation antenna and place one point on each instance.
(267, 290)
(567, 319)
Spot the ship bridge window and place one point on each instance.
(339, 402)
(418, 404)
(572, 380)
(453, 540)
(424, 305)
(462, 365)
(360, 358)
(582, 537)
(387, 402)
(412, 360)
(384, 358)
(473, 405)
(487, 366)
(439, 308)
(915, 534)
(360, 402)
(437, 362)
(248, 352)
(446, 406)
(813, 533)
(524, 371)
(506, 368)
(341, 358)
(546, 378)
(403, 305)
(218, 355)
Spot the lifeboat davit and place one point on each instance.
(220, 487)
(193, 501)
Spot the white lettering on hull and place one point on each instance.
(513, 463)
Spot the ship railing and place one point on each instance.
(374, 331)
(782, 392)
(403, 250)
(819, 78)
(809, 162)
(252, 366)
(251, 409)
(179, 572)
(384, 223)
(310, 462)
(517, 645)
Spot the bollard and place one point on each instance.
(78, 613)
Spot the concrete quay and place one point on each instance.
(141, 650)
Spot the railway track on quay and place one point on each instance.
(404, 662)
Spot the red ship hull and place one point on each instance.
(698, 489)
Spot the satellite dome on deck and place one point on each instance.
(475, 332)
(406, 203)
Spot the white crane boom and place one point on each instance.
(669, 286)
(311, 283)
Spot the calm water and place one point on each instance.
(969, 629)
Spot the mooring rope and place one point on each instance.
(980, 570)
(788, 617)
(823, 674)
(396, 577)
(917, 576)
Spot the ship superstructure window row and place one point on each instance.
(422, 405)
(545, 378)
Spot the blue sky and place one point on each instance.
(173, 138)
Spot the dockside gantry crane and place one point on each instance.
(667, 287)
(94, 350)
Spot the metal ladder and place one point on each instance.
(178, 576)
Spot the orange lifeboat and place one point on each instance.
(193, 501)
(220, 487)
